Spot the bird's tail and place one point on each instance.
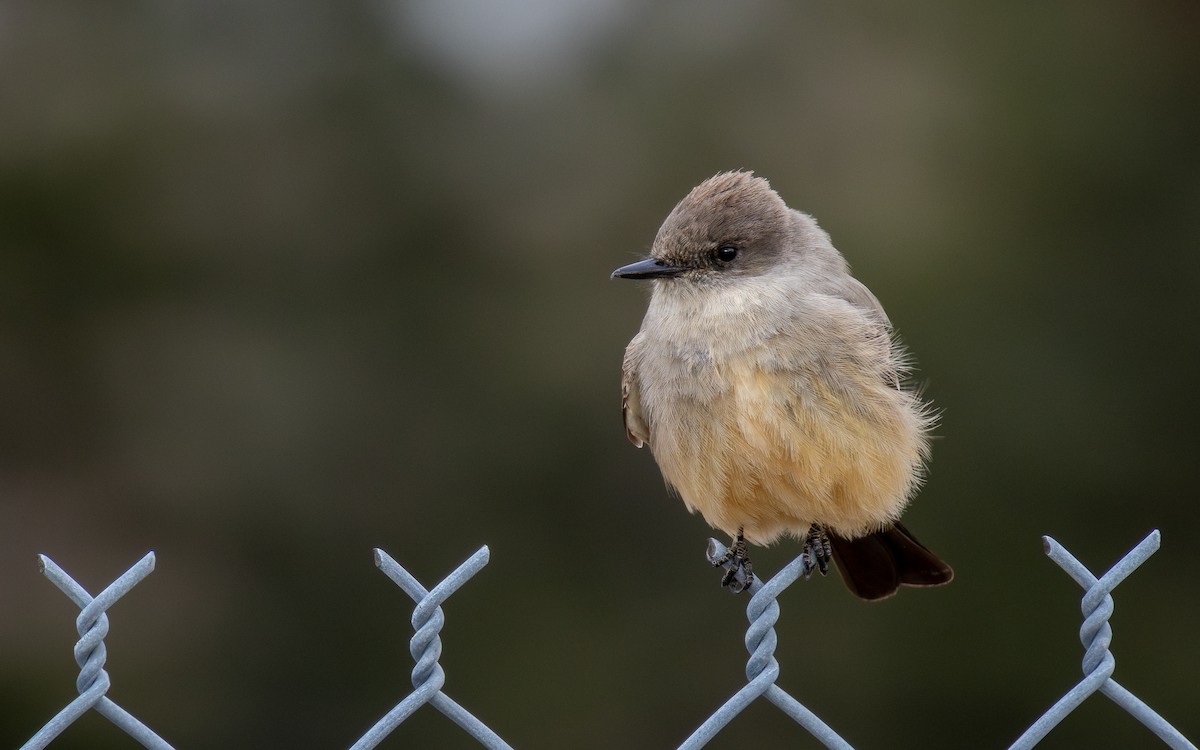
(876, 565)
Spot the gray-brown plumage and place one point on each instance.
(768, 384)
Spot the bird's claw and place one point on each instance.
(817, 550)
(735, 559)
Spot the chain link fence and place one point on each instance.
(762, 669)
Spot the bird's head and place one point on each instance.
(730, 226)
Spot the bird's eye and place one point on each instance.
(726, 253)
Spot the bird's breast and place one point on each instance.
(771, 443)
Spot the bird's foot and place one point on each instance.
(817, 550)
(736, 558)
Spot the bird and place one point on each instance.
(773, 392)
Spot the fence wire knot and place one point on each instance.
(762, 669)
(90, 654)
(1096, 636)
(428, 678)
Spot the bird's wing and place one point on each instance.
(631, 399)
(856, 293)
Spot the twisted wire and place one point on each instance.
(428, 678)
(90, 654)
(1095, 634)
(762, 669)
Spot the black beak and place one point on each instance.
(649, 268)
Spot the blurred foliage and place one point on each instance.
(280, 282)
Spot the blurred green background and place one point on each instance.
(281, 282)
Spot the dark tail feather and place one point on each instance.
(876, 565)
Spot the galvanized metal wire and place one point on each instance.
(426, 647)
(762, 668)
(90, 654)
(1096, 636)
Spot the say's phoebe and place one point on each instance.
(769, 386)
